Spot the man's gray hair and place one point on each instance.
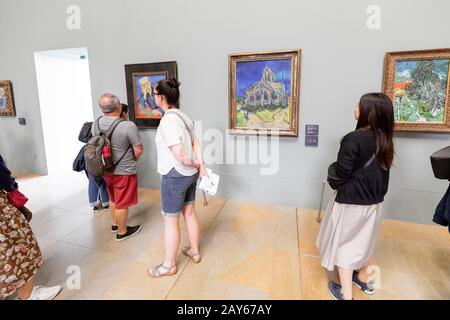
(108, 102)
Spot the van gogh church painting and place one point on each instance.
(418, 86)
(264, 93)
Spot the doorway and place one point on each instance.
(66, 103)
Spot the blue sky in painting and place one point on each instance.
(249, 72)
(403, 69)
(401, 66)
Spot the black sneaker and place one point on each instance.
(366, 287)
(97, 209)
(106, 207)
(335, 291)
(131, 231)
(114, 229)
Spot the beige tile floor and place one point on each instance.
(250, 251)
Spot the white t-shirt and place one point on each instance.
(172, 131)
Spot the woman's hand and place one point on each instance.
(203, 172)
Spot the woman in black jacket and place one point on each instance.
(350, 228)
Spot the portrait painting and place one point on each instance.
(141, 80)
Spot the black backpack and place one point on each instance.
(85, 132)
(96, 163)
(79, 164)
(84, 136)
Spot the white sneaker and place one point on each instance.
(44, 293)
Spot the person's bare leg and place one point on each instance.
(345, 276)
(25, 291)
(364, 275)
(171, 240)
(121, 218)
(112, 210)
(193, 227)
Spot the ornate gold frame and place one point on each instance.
(295, 56)
(11, 110)
(388, 86)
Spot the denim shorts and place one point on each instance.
(177, 190)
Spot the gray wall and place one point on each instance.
(342, 59)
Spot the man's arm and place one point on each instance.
(135, 140)
(138, 151)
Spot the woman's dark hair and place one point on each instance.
(124, 110)
(169, 89)
(377, 113)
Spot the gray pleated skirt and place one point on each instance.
(348, 234)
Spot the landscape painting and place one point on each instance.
(141, 80)
(418, 85)
(264, 93)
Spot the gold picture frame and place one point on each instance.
(418, 84)
(264, 91)
(6, 99)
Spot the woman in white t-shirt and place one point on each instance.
(180, 163)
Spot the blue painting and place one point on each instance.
(144, 103)
(263, 94)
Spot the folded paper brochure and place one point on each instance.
(210, 184)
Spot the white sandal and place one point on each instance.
(195, 257)
(155, 272)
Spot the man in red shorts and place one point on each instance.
(126, 144)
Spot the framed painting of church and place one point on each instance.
(6, 99)
(140, 80)
(264, 93)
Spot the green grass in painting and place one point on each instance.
(412, 110)
(240, 120)
(287, 117)
(267, 115)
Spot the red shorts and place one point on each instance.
(122, 189)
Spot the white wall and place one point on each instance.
(65, 102)
(342, 59)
